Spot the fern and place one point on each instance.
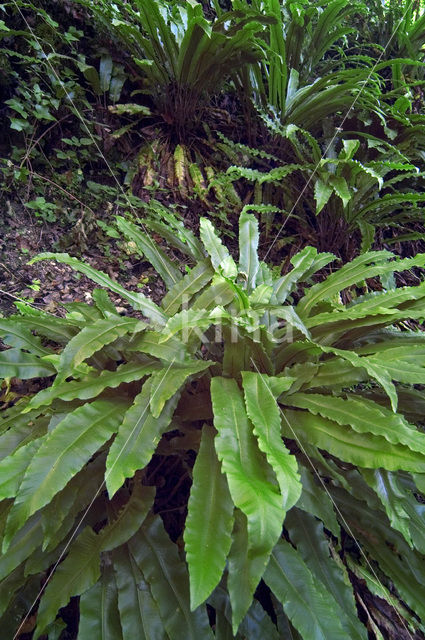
(345, 192)
(299, 415)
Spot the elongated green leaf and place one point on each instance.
(12, 468)
(150, 342)
(58, 330)
(94, 337)
(137, 607)
(361, 267)
(103, 302)
(341, 188)
(62, 454)
(168, 271)
(128, 520)
(175, 233)
(220, 292)
(245, 564)
(166, 383)
(363, 416)
(23, 544)
(243, 463)
(308, 535)
(91, 386)
(248, 245)
(389, 338)
(337, 373)
(220, 257)
(193, 319)
(83, 313)
(367, 265)
(158, 559)
(185, 289)
(414, 509)
(15, 363)
(264, 413)
(303, 263)
(75, 575)
(322, 193)
(320, 261)
(305, 600)
(385, 485)
(78, 572)
(277, 64)
(251, 482)
(273, 176)
(403, 364)
(137, 439)
(58, 516)
(22, 430)
(8, 587)
(367, 231)
(99, 617)
(293, 321)
(261, 295)
(137, 300)
(12, 417)
(374, 369)
(404, 566)
(196, 34)
(315, 501)
(209, 522)
(365, 450)
(344, 314)
(18, 336)
(326, 31)
(257, 624)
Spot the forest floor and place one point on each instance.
(48, 284)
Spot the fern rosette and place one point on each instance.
(296, 416)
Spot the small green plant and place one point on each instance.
(300, 79)
(326, 198)
(295, 417)
(178, 57)
(35, 286)
(178, 60)
(48, 140)
(44, 210)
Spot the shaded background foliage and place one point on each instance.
(313, 62)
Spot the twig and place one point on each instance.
(7, 269)
(34, 144)
(31, 304)
(70, 195)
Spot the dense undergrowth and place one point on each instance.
(243, 457)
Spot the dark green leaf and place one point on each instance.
(305, 599)
(99, 617)
(158, 559)
(209, 522)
